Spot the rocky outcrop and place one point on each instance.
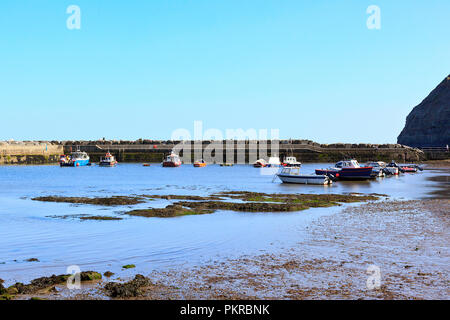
(428, 124)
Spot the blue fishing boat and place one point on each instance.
(75, 159)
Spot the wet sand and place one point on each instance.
(408, 241)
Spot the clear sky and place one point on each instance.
(141, 69)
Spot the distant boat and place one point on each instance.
(291, 162)
(200, 163)
(108, 160)
(377, 168)
(172, 160)
(347, 170)
(226, 164)
(405, 167)
(75, 159)
(292, 175)
(273, 162)
(260, 163)
(146, 164)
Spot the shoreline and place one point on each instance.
(407, 240)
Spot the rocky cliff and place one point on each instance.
(428, 124)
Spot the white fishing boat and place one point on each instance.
(377, 168)
(291, 162)
(273, 162)
(108, 160)
(172, 160)
(292, 175)
(387, 170)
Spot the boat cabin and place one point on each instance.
(79, 155)
(348, 164)
(290, 170)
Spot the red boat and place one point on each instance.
(261, 163)
(108, 160)
(172, 160)
(408, 169)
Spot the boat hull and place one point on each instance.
(199, 165)
(76, 163)
(361, 173)
(108, 164)
(169, 164)
(305, 179)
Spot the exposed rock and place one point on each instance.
(46, 282)
(128, 289)
(106, 201)
(428, 124)
(172, 210)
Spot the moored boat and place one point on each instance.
(260, 163)
(226, 164)
(291, 162)
(200, 163)
(75, 159)
(273, 162)
(108, 160)
(292, 175)
(347, 170)
(404, 168)
(172, 160)
(377, 168)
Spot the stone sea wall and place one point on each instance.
(42, 152)
(29, 152)
(304, 150)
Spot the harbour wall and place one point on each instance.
(246, 151)
(48, 152)
(29, 152)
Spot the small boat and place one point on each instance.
(108, 160)
(404, 168)
(226, 164)
(407, 169)
(393, 171)
(377, 168)
(146, 164)
(292, 175)
(261, 163)
(273, 162)
(172, 160)
(347, 170)
(291, 162)
(200, 163)
(75, 159)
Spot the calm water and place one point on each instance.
(26, 231)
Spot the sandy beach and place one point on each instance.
(407, 240)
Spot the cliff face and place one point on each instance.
(428, 124)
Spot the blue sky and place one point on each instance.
(141, 69)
